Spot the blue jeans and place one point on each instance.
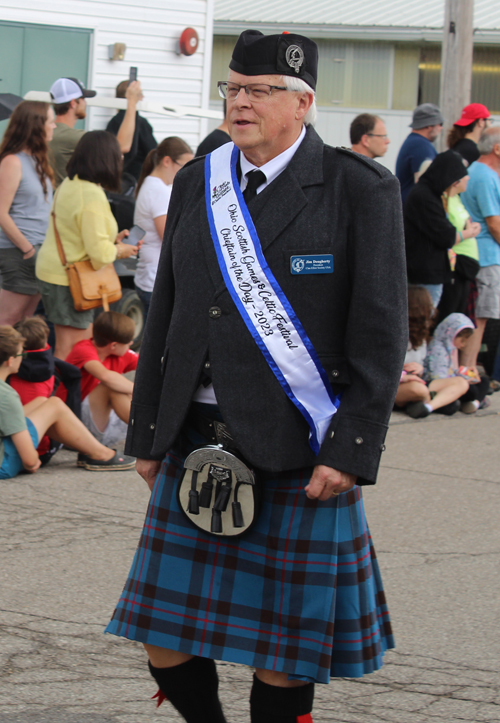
(435, 290)
(145, 297)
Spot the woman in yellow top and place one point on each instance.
(88, 230)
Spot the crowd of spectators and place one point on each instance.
(53, 182)
(451, 211)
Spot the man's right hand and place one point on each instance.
(148, 469)
(134, 92)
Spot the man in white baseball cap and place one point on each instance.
(68, 97)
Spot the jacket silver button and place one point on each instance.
(214, 312)
(382, 447)
(132, 422)
(335, 373)
(332, 435)
(359, 440)
(152, 426)
(162, 359)
(207, 365)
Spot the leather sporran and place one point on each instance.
(89, 288)
(218, 493)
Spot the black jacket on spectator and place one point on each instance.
(143, 142)
(428, 232)
(214, 140)
(467, 149)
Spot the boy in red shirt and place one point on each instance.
(35, 377)
(106, 393)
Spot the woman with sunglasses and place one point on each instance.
(153, 196)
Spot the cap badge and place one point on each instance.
(294, 57)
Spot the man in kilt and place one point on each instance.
(277, 331)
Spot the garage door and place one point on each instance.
(33, 56)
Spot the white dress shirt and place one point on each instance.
(272, 170)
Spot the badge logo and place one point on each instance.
(311, 264)
(298, 264)
(219, 192)
(294, 57)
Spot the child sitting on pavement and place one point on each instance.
(106, 393)
(442, 363)
(418, 398)
(21, 428)
(35, 377)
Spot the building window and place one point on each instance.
(429, 69)
(485, 76)
(354, 75)
(406, 75)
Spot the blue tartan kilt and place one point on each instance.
(299, 593)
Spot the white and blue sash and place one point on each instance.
(260, 300)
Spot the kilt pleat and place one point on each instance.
(299, 593)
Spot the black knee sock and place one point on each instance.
(270, 704)
(192, 689)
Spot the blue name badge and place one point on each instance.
(311, 264)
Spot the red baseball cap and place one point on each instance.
(472, 112)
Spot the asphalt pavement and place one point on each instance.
(67, 537)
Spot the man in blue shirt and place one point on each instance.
(426, 125)
(482, 201)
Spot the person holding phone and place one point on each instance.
(153, 196)
(139, 130)
(88, 230)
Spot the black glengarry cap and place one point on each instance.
(286, 54)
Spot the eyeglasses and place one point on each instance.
(24, 354)
(377, 135)
(181, 165)
(254, 91)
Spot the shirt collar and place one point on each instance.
(272, 168)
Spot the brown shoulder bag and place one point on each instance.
(89, 288)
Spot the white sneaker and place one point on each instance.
(469, 407)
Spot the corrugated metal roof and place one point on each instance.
(392, 13)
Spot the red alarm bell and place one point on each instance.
(188, 42)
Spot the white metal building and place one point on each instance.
(41, 41)
(382, 57)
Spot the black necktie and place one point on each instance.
(254, 180)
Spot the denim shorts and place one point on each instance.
(12, 463)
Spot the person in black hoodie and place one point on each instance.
(40, 375)
(428, 232)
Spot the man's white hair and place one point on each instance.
(489, 139)
(300, 86)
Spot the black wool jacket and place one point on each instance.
(327, 201)
(428, 233)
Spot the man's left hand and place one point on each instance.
(327, 482)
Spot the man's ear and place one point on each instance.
(305, 102)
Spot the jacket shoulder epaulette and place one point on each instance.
(377, 168)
